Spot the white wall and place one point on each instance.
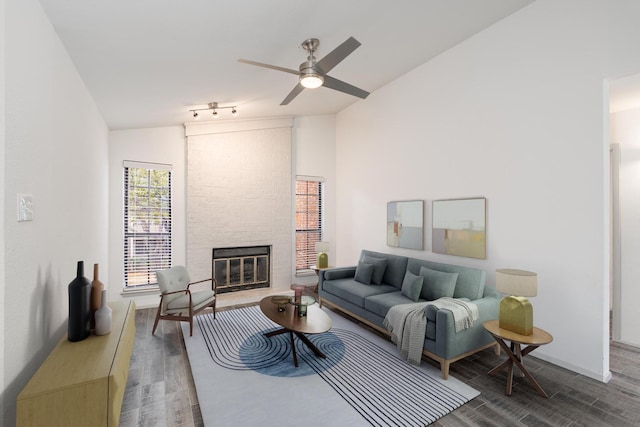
(56, 150)
(155, 145)
(515, 114)
(239, 189)
(625, 131)
(2, 202)
(315, 155)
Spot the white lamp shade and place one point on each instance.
(322, 247)
(517, 282)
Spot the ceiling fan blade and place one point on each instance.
(334, 57)
(295, 92)
(341, 86)
(273, 67)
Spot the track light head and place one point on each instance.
(215, 114)
(195, 114)
(234, 112)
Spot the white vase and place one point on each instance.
(103, 316)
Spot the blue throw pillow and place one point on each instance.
(364, 272)
(379, 266)
(437, 284)
(411, 286)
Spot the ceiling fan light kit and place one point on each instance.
(311, 81)
(312, 74)
(214, 107)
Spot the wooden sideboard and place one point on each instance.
(82, 383)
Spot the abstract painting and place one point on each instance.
(405, 224)
(459, 227)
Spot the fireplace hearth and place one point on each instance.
(241, 268)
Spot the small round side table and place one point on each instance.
(515, 352)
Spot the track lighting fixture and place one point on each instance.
(214, 107)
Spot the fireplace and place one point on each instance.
(242, 268)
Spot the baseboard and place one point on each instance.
(604, 377)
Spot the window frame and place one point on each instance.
(309, 253)
(159, 212)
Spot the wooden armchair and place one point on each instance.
(177, 302)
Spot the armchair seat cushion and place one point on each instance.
(199, 298)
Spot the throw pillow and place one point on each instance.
(379, 266)
(437, 284)
(411, 286)
(364, 273)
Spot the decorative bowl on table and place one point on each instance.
(302, 303)
(281, 300)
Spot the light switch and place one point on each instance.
(25, 207)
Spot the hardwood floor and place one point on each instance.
(160, 389)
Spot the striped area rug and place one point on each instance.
(374, 381)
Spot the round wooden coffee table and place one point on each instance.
(315, 322)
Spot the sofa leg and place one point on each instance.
(444, 368)
(320, 302)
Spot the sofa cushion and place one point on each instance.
(364, 272)
(437, 284)
(381, 303)
(379, 265)
(352, 291)
(396, 267)
(411, 286)
(339, 273)
(471, 281)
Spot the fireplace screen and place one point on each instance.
(242, 268)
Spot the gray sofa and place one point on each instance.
(369, 296)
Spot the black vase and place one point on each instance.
(79, 306)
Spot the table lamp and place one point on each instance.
(516, 312)
(322, 259)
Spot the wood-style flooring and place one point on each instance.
(160, 389)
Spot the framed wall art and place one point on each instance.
(459, 227)
(405, 224)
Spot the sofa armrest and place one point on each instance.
(490, 292)
(335, 273)
(450, 343)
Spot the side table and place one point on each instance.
(515, 352)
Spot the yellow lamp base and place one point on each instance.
(516, 315)
(322, 260)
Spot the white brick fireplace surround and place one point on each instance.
(239, 193)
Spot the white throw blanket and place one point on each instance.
(464, 313)
(407, 324)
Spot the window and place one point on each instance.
(308, 220)
(147, 222)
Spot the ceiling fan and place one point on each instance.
(313, 74)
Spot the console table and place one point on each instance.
(82, 383)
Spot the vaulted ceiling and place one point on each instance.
(147, 62)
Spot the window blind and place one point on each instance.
(308, 220)
(147, 222)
